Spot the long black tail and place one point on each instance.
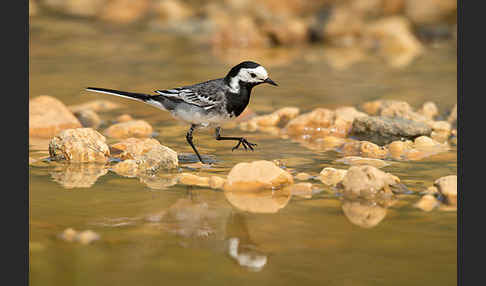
(151, 99)
(131, 95)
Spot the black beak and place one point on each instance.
(268, 80)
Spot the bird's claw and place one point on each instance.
(247, 145)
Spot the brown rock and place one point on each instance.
(95, 105)
(158, 157)
(448, 187)
(313, 123)
(303, 176)
(287, 31)
(172, 10)
(427, 203)
(79, 145)
(124, 118)
(398, 149)
(136, 128)
(132, 147)
(48, 116)
(429, 11)
(85, 8)
(331, 177)
(371, 150)
(429, 110)
(367, 180)
(396, 41)
(236, 32)
(125, 11)
(256, 175)
(88, 118)
(301, 190)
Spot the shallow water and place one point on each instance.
(308, 241)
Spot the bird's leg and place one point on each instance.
(247, 145)
(189, 140)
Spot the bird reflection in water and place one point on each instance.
(240, 246)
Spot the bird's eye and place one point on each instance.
(253, 75)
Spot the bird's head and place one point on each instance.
(248, 73)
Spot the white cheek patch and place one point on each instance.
(244, 75)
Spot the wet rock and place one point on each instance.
(236, 32)
(95, 105)
(85, 8)
(424, 142)
(48, 116)
(124, 11)
(124, 118)
(359, 161)
(331, 177)
(303, 176)
(344, 26)
(75, 175)
(321, 123)
(172, 10)
(344, 57)
(262, 201)
(399, 149)
(429, 11)
(427, 203)
(286, 31)
(158, 157)
(364, 214)
(88, 118)
(312, 123)
(429, 110)
(257, 175)
(79, 145)
(132, 147)
(135, 128)
(394, 39)
(279, 117)
(447, 186)
(383, 130)
(304, 190)
(193, 180)
(364, 149)
(367, 181)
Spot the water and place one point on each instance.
(307, 242)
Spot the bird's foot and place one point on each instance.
(247, 145)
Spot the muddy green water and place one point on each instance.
(308, 242)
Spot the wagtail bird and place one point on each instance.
(208, 103)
